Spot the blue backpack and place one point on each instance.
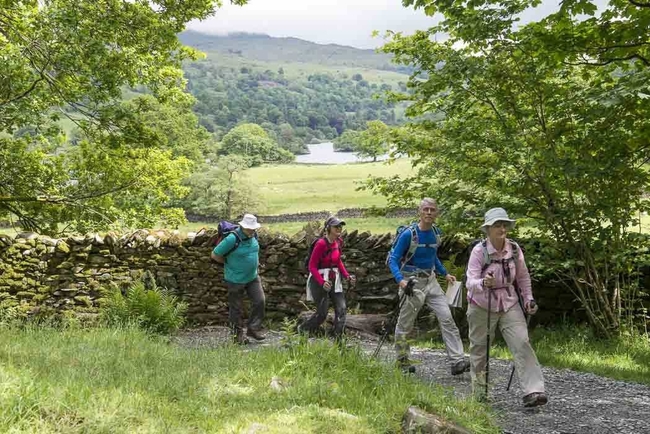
(412, 228)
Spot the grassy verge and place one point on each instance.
(626, 357)
(104, 380)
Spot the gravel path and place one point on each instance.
(579, 403)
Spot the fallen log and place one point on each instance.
(370, 323)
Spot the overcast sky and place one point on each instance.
(345, 22)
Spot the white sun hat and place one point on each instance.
(497, 215)
(249, 221)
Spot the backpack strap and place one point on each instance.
(413, 246)
(237, 243)
(515, 258)
(486, 256)
(330, 248)
(436, 234)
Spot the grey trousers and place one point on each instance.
(428, 291)
(515, 332)
(236, 293)
(322, 299)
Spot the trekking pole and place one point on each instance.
(411, 282)
(512, 373)
(487, 354)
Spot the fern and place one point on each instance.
(146, 305)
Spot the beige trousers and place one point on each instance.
(428, 291)
(515, 332)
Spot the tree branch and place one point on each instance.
(105, 192)
(24, 94)
(612, 60)
(62, 199)
(24, 199)
(639, 4)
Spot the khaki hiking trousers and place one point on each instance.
(514, 330)
(427, 291)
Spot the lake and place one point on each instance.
(323, 153)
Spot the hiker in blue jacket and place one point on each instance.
(241, 261)
(420, 260)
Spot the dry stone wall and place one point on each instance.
(343, 213)
(40, 273)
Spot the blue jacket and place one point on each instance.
(425, 258)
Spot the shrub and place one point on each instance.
(146, 305)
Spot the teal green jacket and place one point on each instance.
(242, 263)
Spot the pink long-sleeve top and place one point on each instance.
(326, 255)
(504, 295)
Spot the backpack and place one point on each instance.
(339, 244)
(225, 228)
(414, 242)
(486, 256)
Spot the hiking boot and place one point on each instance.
(238, 336)
(535, 399)
(460, 367)
(255, 334)
(405, 365)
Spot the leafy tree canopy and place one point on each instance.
(555, 132)
(71, 59)
(251, 141)
(373, 141)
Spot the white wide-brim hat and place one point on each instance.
(249, 221)
(497, 215)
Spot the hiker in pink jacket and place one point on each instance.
(326, 272)
(496, 277)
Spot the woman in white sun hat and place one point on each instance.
(240, 273)
(495, 267)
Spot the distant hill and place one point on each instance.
(296, 90)
(270, 49)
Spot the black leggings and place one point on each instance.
(322, 299)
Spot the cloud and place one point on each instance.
(342, 22)
(345, 22)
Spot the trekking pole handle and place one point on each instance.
(408, 290)
(411, 282)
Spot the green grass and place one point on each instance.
(105, 381)
(626, 357)
(301, 187)
(302, 70)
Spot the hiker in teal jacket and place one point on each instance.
(241, 262)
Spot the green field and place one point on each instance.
(295, 188)
(302, 70)
(286, 189)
